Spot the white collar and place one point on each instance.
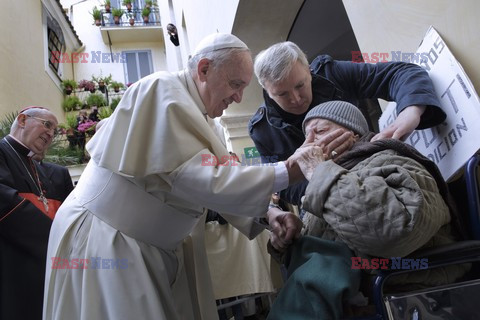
(186, 77)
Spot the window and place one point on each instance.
(55, 45)
(55, 49)
(138, 65)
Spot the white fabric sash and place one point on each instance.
(133, 211)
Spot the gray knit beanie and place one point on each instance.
(340, 112)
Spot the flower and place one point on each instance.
(87, 85)
(87, 125)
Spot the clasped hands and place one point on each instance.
(316, 149)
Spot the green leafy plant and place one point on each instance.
(150, 3)
(6, 123)
(71, 103)
(70, 121)
(96, 100)
(68, 85)
(102, 80)
(116, 86)
(104, 112)
(145, 12)
(117, 12)
(62, 151)
(107, 4)
(97, 15)
(59, 154)
(114, 103)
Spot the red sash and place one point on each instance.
(53, 205)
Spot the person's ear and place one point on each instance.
(202, 69)
(21, 118)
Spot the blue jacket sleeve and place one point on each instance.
(405, 83)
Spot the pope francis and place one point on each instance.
(115, 249)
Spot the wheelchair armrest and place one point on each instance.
(455, 253)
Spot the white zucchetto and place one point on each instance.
(218, 41)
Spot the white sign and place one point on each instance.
(453, 142)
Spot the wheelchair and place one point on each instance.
(456, 301)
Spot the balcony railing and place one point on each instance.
(132, 18)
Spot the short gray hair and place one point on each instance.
(274, 64)
(217, 58)
(33, 112)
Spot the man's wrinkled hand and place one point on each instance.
(336, 142)
(403, 126)
(307, 157)
(303, 162)
(333, 143)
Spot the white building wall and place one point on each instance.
(25, 77)
(91, 37)
(385, 26)
(197, 19)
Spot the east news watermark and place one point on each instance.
(250, 157)
(98, 263)
(395, 263)
(88, 57)
(392, 56)
(209, 160)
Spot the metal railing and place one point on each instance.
(131, 18)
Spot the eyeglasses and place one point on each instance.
(47, 124)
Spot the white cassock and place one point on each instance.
(142, 193)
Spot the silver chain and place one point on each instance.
(39, 188)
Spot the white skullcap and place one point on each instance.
(217, 41)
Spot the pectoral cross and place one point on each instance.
(45, 202)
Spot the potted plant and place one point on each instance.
(71, 103)
(97, 16)
(114, 103)
(102, 81)
(87, 85)
(70, 127)
(116, 86)
(105, 112)
(145, 14)
(107, 5)
(128, 4)
(117, 14)
(68, 85)
(96, 100)
(150, 3)
(131, 19)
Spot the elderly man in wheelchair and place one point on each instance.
(379, 209)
